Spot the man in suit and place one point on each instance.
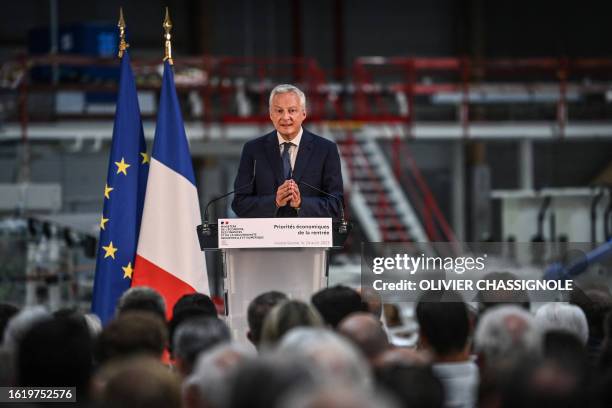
(276, 169)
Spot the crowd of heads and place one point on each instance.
(334, 350)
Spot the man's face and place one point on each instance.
(287, 114)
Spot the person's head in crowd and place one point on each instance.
(132, 334)
(286, 316)
(7, 311)
(539, 384)
(142, 299)
(566, 349)
(444, 332)
(139, 382)
(414, 387)
(20, 323)
(188, 307)
(595, 303)
(93, 323)
(491, 298)
(444, 326)
(334, 356)
(56, 352)
(366, 333)
(258, 310)
(563, 316)
(372, 300)
(337, 302)
(332, 396)
(506, 332)
(208, 386)
(263, 382)
(195, 301)
(194, 336)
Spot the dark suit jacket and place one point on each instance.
(317, 163)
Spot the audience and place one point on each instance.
(506, 332)
(56, 352)
(264, 382)
(258, 310)
(209, 383)
(195, 336)
(139, 382)
(366, 333)
(414, 387)
(336, 397)
(444, 330)
(188, 307)
(337, 302)
(142, 299)
(373, 301)
(132, 334)
(20, 323)
(563, 316)
(595, 303)
(335, 358)
(284, 317)
(332, 353)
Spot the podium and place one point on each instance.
(289, 255)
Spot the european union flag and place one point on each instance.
(123, 200)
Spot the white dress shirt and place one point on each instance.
(293, 150)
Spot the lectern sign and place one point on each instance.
(275, 233)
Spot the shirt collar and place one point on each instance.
(295, 141)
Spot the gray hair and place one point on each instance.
(210, 379)
(507, 331)
(196, 335)
(563, 316)
(142, 298)
(331, 396)
(334, 356)
(21, 323)
(286, 88)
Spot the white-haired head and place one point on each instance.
(288, 88)
(343, 396)
(563, 316)
(209, 383)
(334, 356)
(506, 331)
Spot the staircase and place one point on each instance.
(376, 197)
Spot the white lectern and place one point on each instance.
(289, 255)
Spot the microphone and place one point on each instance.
(205, 225)
(342, 229)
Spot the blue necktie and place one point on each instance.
(286, 160)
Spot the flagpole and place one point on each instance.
(124, 193)
(123, 45)
(167, 25)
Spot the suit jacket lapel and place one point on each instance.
(303, 156)
(273, 154)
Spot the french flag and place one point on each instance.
(168, 258)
